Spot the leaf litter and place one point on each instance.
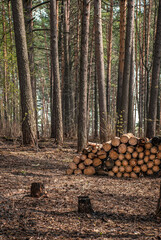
(123, 208)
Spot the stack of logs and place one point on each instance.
(126, 156)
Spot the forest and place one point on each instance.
(80, 119)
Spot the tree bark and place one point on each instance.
(29, 35)
(126, 75)
(100, 70)
(55, 66)
(28, 115)
(82, 120)
(121, 63)
(109, 53)
(152, 114)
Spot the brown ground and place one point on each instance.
(124, 208)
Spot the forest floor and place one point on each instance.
(123, 208)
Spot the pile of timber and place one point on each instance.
(125, 156)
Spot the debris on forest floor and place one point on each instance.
(123, 208)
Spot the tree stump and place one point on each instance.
(158, 210)
(84, 205)
(37, 189)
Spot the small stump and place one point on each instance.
(37, 189)
(84, 205)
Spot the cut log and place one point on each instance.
(124, 162)
(94, 149)
(37, 189)
(125, 137)
(118, 163)
(159, 155)
(154, 150)
(135, 154)
(128, 156)
(157, 162)
(150, 164)
(107, 146)
(69, 171)
(109, 163)
(133, 175)
(94, 144)
(72, 165)
(122, 148)
(119, 175)
(122, 169)
(133, 162)
(126, 175)
(78, 171)
(139, 149)
(142, 141)
(141, 155)
(115, 169)
(102, 156)
(152, 157)
(121, 156)
(146, 159)
(100, 171)
(86, 150)
(76, 159)
(81, 166)
(113, 154)
(148, 145)
(89, 170)
(83, 157)
(96, 162)
(91, 155)
(133, 141)
(156, 141)
(136, 169)
(115, 141)
(128, 169)
(149, 172)
(88, 161)
(147, 152)
(101, 152)
(159, 147)
(140, 161)
(111, 174)
(84, 205)
(144, 168)
(130, 149)
(155, 168)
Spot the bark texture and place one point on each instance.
(55, 67)
(28, 114)
(100, 69)
(152, 114)
(126, 75)
(82, 121)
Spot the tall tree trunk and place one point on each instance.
(67, 84)
(152, 114)
(96, 106)
(100, 70)
(121, 63)
(55, 66)
(82, 120)
(126, 75)
(30, 44)
(27, 107)
(109, 52)
(130, 127)
(5, 84)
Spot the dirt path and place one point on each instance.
(124, 208)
